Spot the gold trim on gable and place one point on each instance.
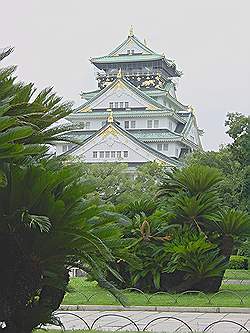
(151, 107)
(119, 85)
(110, 130)
(87, 109)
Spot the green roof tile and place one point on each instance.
(126, 58)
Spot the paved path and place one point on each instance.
(236, 282)
(156, 321)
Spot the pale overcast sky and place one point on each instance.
(208, 39)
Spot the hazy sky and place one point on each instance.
(208, 39)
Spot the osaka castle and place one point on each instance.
(134, 116)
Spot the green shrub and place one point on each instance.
(238, 262)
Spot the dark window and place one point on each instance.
(65, 148)
(165, 146)
(126, 124)
(156, 123)
(132, 124)
(149, 124)
(125, 154)
(101, 154)
(159, 146)
(116, 105)
(94, 154)
(126, 105)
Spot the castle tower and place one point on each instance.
(136, 89)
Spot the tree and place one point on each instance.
(232, 160)
(230, 225)
(112, 179)
(239, 131)
(48, 224)
(185, 242)
(116, 184)
(232, 186)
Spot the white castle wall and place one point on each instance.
(141, 123)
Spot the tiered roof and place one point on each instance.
(141, 53)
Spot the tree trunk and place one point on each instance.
(213, 284)
(227, 244)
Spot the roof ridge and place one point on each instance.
(137, 41)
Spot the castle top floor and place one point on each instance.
(138, 63)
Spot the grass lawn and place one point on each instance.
(239, 274)
(86, 292)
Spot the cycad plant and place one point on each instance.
(48, 224)
(197, 259)
(193, 180)
(230, 225)
(190, 193)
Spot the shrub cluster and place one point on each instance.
(238, 262)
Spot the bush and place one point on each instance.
(238, 262)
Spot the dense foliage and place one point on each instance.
(233, 162)
(238, 262)
(43, 233)
(183, 239)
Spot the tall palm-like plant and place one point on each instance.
(193, 180)
(49, 223)
(229, 224)
(191, 194)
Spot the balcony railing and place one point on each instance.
(131, 73)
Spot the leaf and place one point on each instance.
(15, 133)
(3, 179)
(36, 221)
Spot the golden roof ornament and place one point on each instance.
(131, 31)
(119, 74)
(110, 116)
(191, 109)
